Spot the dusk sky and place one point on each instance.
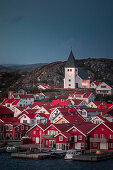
(43, 31)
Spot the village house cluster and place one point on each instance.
(73, 121)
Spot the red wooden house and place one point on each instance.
(101, 136)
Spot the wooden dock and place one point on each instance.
(30, 156)
(94, 158)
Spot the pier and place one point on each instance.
(94, 157)
(30, 156)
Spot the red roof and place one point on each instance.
(65, 134)
(30, 115)
(84, 94)
(97, 103)
(5, 110)
(104, 119)
(105, 106)
(60, 102)
(96, 83)
(77, 102)
(84, 127)
(109, 124)
(10, 119)
(75, 118)
(10, 101)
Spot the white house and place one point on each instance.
(104, 89)
(87, 96)
(95, 84)
(27, 99)
(75, 77)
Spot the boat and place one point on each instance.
(72, 153)
(11, 149)
(57, 155)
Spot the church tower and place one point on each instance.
(71, 72)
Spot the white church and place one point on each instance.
(75, 77)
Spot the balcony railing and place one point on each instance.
(101, 140)
(47, 136)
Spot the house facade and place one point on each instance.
(101, 137)
(104, 89)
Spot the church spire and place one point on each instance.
(71, 61)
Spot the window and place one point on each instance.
(94, 144)
(22, 127)
(10, 127)
(24, 121)
(74, 130)
(70, 69)
(46, 142)
(16, 135)
(95, 135)
(7, 127)
(80, 137)
(111, 145)
(67, 69)
(60, 138)
(63, 121)
(103, 86)
(34, 139)
(110, 136)
(26, 127)
(102, 136)
(69, 79)
(34, 132)
(24, 116)
(69, 84)
(82, 144)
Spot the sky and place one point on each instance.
(44, 31)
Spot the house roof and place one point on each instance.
(77, 102)
(83, 74)
(97, 83)
(83, 127)
(26, 96)
(107, 124)
(10, 101)
(84, 94)
(97, 103)
(37, 104)
(102, 118)
(71, 61)
(60, 102)
(5, 110)
(65, 134)
(105, 106)
(10, 119)
(74, 118)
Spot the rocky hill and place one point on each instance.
(98, 69)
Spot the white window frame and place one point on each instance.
(80, 137)
(60, 138)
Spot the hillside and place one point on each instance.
(20, 68)
(53, 73)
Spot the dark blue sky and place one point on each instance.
(33, 31)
